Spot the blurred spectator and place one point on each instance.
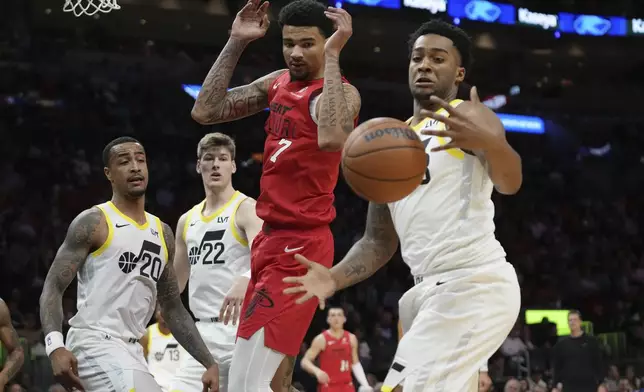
(577, 359)
(512, 385)
(612, 379)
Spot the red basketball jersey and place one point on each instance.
(298, 179)
(336, 359)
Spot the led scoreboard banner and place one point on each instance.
(492, 12)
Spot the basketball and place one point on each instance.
(383, 160)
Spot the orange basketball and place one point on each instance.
(383, 160)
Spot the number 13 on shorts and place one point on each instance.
(285, 143)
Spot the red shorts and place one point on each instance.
(272, 259)
(345, 387)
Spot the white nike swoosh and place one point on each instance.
(287, 250)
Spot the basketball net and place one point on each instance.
(90, 7)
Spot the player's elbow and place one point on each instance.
(203, 116)
(331, 144)
(510, 187)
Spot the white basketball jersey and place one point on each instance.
(117, 285)
(447, 222)
(218, 252)
(163, 356)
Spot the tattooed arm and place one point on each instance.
(181, 325)
(336, 108)
(10, 340)
(215, 104)
(87, 232)
(376, 247)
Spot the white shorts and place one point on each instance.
(107, 363)
(452, 323)
(220, 340)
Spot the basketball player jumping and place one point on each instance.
(338, 351)
(122, 256)
(312, 110)
(162, 351)
(466, 298)
(11, 343)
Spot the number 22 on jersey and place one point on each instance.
(285, 143)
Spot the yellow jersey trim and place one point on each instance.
(219, 210)
(110, 234)
(233, 226)
(127, 218)
(163, 244)
(149, 340)
(455, 152)
(184, 232)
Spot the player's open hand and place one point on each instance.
(343, 30)
(210, 379)
(65, 368)
(317, 282)
(251, 21)
(322, 377)
(471, 125)
(234, 300)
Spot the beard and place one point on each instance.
(135, 193)
(301, 76)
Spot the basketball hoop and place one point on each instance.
(90, 7)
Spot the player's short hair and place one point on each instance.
(337, 308)
(306, 13)
(574, 311)
(459, 37)
(107, 151)
(216, 139)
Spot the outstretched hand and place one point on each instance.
(343, 30)
(474, 128)
(317, 282)
(251, 21)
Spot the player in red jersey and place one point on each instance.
(312, 110)
(338, 352)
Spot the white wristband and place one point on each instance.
(53, 341)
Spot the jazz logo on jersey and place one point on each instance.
(210, 247)
(149, 256)
(172, 349)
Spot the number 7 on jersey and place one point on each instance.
(285, 143)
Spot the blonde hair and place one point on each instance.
(216, 139)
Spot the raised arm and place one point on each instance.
(376, 247)
(9, 339)
(181, 263)
(340, 103)
(175, 314)
(87, 232)
(215, 104)
(317, 346)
